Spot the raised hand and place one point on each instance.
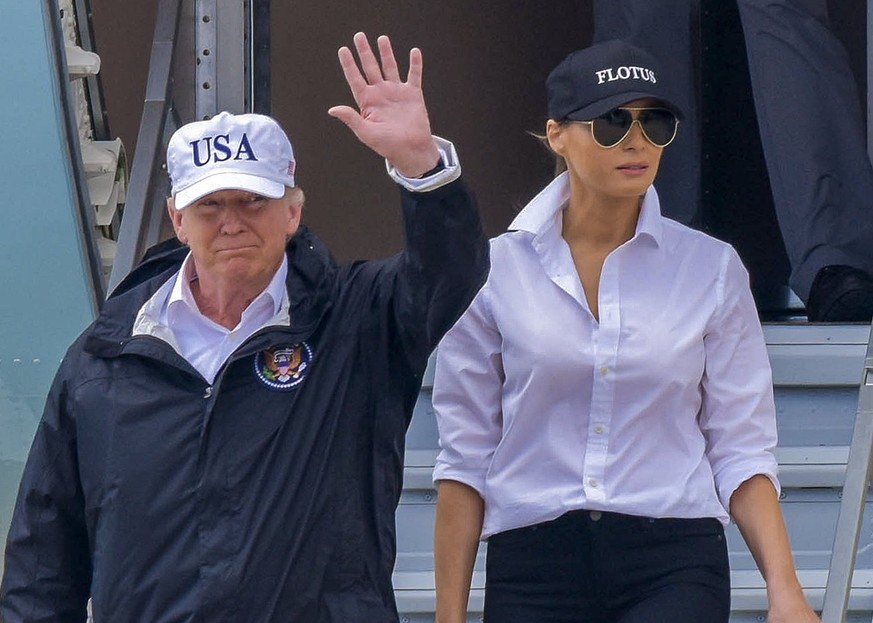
(391, 118)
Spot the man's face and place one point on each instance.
(236, 236)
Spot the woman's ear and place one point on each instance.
(555, 136)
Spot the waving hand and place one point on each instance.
(391, 118)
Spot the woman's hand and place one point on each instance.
(788, 605)
(755, 508)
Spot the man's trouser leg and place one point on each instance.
(812, 134)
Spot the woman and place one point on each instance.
(605, 405)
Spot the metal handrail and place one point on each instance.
(143, 210)
(94, 86)
(860, 462)
(844, 553)
(84, 210)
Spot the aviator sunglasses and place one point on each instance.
(658, 125)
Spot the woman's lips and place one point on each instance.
(634, 168)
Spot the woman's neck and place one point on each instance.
(600, 222)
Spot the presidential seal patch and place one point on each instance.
(283, 367)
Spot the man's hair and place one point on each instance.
(295, 194)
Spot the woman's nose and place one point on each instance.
(635, 136)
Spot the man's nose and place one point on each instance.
(231, 221)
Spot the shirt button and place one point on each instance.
(604, 370)
(598, 429)
(595, 515)
(592, 482)
(208, 392)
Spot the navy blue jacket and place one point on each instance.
(266, 496)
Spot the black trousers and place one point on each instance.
(809, 118)
(593, 567)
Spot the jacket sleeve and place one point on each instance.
(444, 265)
(47, 574)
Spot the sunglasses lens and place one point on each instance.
(609, 129)
(659, 125)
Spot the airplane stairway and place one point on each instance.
(59, 212)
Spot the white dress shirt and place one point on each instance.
(172, 315)
(661, 409)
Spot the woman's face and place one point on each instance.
(624, 170)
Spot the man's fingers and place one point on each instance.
(368, 59)
(389, 63)
(415, 68)
(347, 115)
(356, 81)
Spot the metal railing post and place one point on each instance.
(259, 62)
(839, 583)
(140, 207)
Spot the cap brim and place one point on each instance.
(601, 107)
(227, 181)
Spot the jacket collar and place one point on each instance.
(310, 286)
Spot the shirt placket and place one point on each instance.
(605, 347)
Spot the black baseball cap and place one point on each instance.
(592, 81)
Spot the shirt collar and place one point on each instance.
(649, 223)
(541, 213)
(181, 292)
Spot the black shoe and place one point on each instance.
(840, 294)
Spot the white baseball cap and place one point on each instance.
(242, 152)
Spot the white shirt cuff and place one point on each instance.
(450, 173)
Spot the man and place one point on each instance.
(811, 130)
(225, 442)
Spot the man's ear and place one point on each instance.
(295, 200)
(295, 211)
(176, 219)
